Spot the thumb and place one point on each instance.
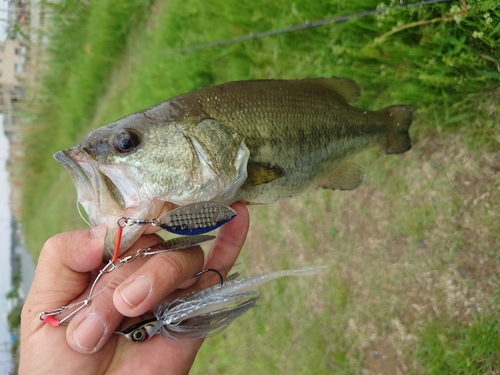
(62, 272)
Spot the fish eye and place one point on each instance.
(126, 141)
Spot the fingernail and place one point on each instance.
(89, 332)
(137, 291)
(99, 231)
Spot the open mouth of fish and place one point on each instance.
(93, 187)
(103, 201)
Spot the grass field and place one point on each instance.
(412, 281)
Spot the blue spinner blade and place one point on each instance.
(197, 218)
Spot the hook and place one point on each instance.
(221, 282)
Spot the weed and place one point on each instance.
(461, 350)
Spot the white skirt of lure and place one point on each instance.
(209, 311)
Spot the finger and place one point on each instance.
(91, 327)
(160, 276)
(227, 246)
(62, 271)
(158, 356)
(61, 275)
(225, 249)
(146, 288)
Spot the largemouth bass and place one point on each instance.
(256, 141)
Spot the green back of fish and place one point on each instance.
(299, 132)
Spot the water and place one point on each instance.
(27, 270)
(17, 259)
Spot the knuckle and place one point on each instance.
(56, 241)
(176, 267)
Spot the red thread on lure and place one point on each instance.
(118, 243)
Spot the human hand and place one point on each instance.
(63, 276)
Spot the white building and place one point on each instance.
(12, 59)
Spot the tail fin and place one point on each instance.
(398, 139)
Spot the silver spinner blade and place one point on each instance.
(196, 218)
(179, 243)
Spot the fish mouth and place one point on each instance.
(105, 201)
(95, 190)
(78, 176)
(101, 200)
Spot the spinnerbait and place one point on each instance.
(190, 220)
(206, 312)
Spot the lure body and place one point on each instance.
(208, 311)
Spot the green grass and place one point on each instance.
(86, 43)
(461, 350)
(394, 247)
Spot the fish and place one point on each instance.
(209, 311)
(257, 141)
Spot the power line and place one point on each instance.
(305, 26)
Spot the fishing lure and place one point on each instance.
(191, 220)
(206, 312)
(196, 218)
(195, 315)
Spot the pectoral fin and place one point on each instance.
(260, 173)
(347, 177)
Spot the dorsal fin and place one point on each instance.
(345, 87)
